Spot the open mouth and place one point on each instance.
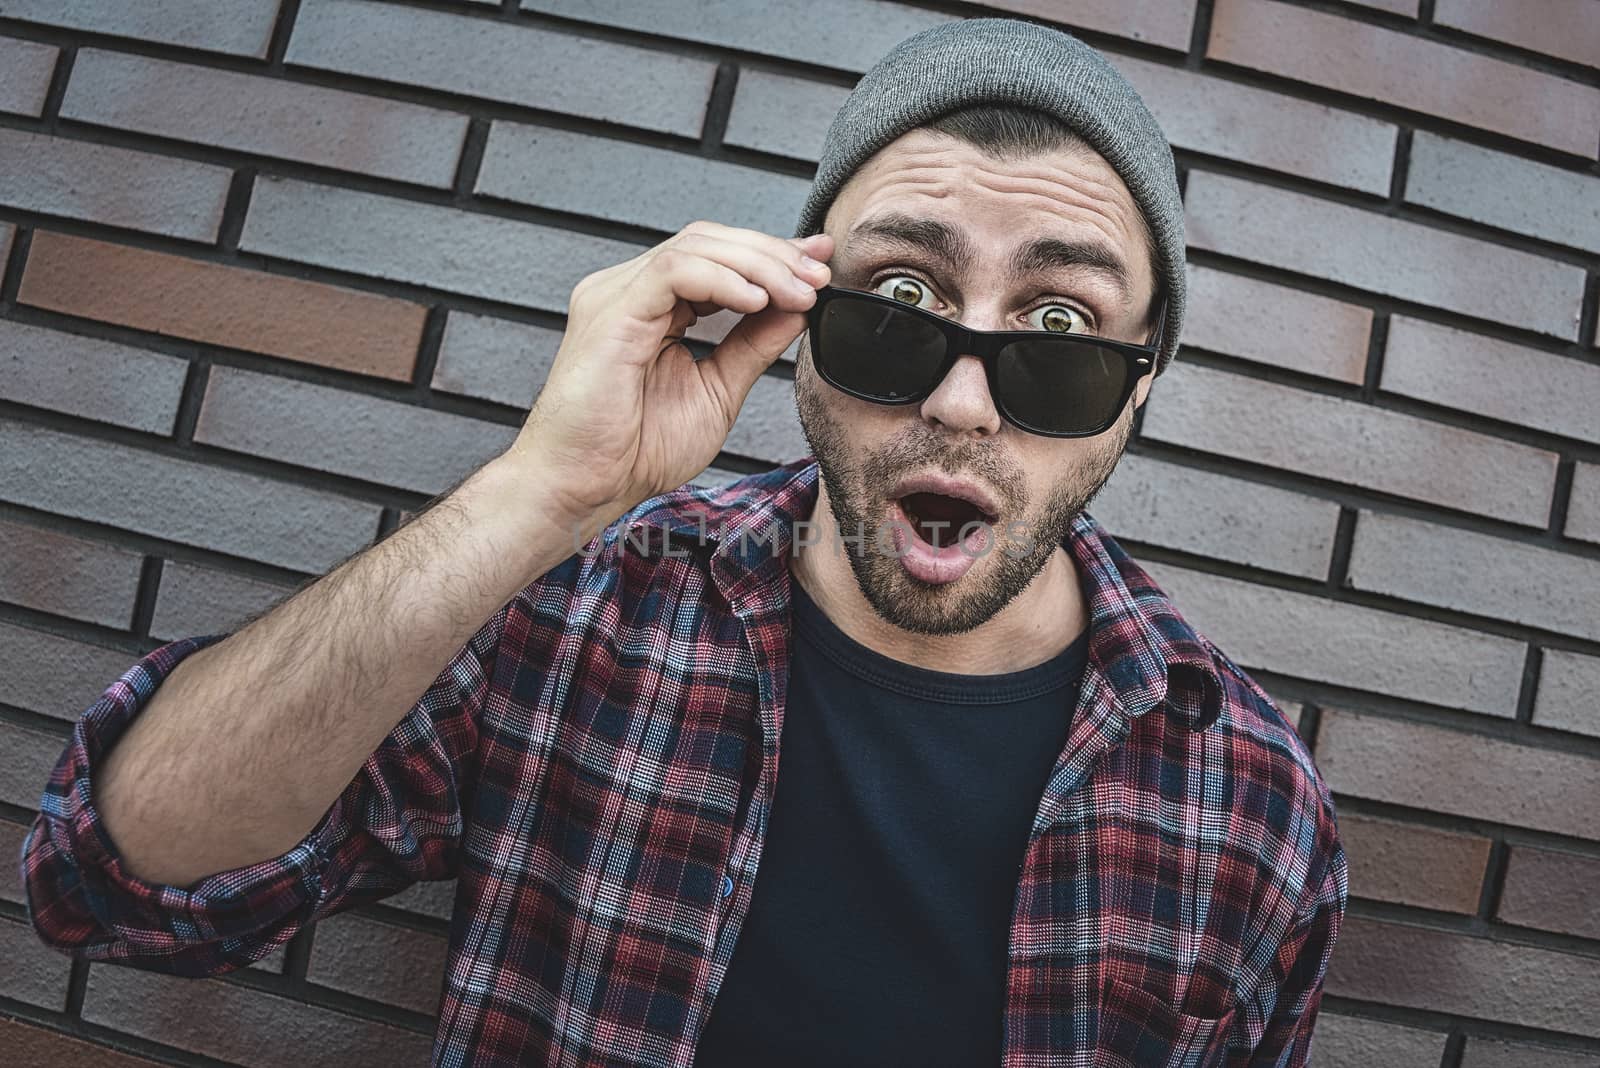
(941, 518)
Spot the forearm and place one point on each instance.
(249, 741)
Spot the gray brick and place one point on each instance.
(79, 180)
(1418, 764)
(11, 838)
(1248, 125)
(267, 116)
(85, 376)
(1463, 974)
(7, 232)
(1583, 509)
(1568, 683)
(381, 961)
(600, 176)
(1489, 1053)
(196, 504)
(69, 576)
(1407, 260)
(460, 251)
(1514, 194)
(1493, 378)
(495, 359)
(842, 34)
(1351, 442)
(783, 115)
(56, 676)
(436, 899)
(1569, 29)
(715, 476)
(1478, 573)
(1220, 516)
(237, 27)
(1552, 890)
(564, 72)
(1266, 323)
(203, 600)
(1352, 1042)
(1398, 7)
(348, 434)
(26, 759)
(231, 1022)
(26, 68)
(1329, 641)
(34, 973)
(768, 427)
(1410, 71)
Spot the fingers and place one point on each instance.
(778, 267)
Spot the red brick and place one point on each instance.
(1490, 1053)
(1553, 891)
(1263, 526)
(1323, 640)
(1414, 865)
(30, 1046)
(268, 313)
(26, 758)
(266, 116)
(381, 961)
(90, 378)
(1566, 29)
(202, 600)
(245, 29)
(1347, 441)
(1486, 376)
(56, 676)
(231, 1022)
(1583, 510)
(1220, 117)
(116, 186)
(1420, 765)
(1163, 22)
(1479, 573)
(1352, 1042)
(1444, 971)
(1412, 72)
(53, 572)
(26, 68)
(1568, 683)
(1403, 259)
(1266, 323)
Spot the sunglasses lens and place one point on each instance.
(876, 351)
(1060, 387)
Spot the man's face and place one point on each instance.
(914, 466)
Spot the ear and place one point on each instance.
(1142, 389)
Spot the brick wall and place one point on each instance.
(276, 272)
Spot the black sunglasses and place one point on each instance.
(884, 350)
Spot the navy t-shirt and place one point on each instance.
(878, 929)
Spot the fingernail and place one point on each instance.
(807, 261)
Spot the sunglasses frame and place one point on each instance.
(986, 345)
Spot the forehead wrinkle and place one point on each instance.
(896, 228)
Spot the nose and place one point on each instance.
(961, 404)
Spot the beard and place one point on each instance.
(858, 486)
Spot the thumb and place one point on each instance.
(750, 348)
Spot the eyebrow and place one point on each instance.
(953, 246)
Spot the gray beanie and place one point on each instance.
(1009, 61)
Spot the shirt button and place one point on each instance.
(727, 885)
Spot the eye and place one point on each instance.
(1061, 319)
(906, 288)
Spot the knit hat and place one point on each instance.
(1009, 61)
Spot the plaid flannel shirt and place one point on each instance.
(597, 768)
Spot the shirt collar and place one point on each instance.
(1137, 638)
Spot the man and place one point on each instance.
(1026, 813)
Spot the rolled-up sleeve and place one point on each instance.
(399, 821)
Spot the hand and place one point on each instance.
(627, 412)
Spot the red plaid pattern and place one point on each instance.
(602, 756)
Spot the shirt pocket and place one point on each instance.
(1139, 1030)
